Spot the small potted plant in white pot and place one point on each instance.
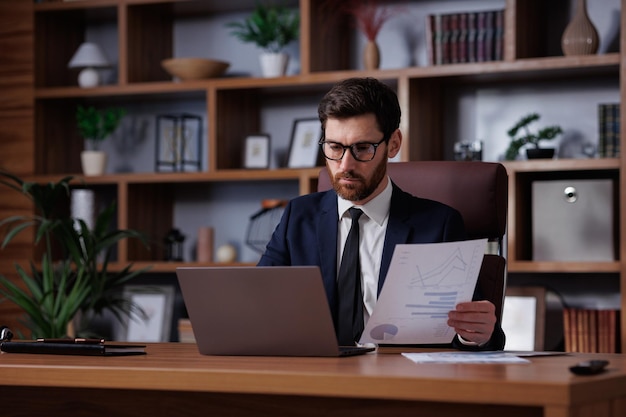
(96, 126)
(270, 28)
(521, 135)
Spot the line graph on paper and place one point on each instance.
(423, 284)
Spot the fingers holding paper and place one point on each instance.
(474, 321)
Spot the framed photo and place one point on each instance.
(157, 302)
(523, 318)
(257, 152)
(304, 148)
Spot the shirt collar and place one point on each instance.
(376, 209)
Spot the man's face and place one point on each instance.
(355, 180)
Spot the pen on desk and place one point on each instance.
(77, 340)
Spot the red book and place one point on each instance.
(462, 38)
(453, 42)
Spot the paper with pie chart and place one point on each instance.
(424, 282)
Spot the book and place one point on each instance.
(462, 39)
(453, 43)
(489, 39)
(471, 37)
(71, 348)
(602, 110)
(609, 121)
(616, 130)
(481, 34)
(498, 49)
(445, 39)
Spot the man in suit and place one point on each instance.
(360, 120)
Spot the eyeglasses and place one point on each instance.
(361, 151)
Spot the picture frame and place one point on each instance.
(523, 318)
(304, 147)
(257, 151)
(157, 301)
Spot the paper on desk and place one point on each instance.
(465, 357)
(424, 282)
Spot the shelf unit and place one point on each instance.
(143, 31)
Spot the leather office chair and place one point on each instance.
(478, 190)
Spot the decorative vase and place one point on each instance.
(580, 36)
(273, 64)
(371, 56)
(93, 162)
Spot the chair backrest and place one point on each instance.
(478, 190)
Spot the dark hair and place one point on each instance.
(358, 96)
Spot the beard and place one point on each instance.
(365, 187)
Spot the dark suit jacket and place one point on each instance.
(307, 234)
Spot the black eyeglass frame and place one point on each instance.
(323, 140)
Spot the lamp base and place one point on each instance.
(88, 77)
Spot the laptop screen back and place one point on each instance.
(275, 311)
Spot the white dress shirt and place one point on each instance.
(373, 227)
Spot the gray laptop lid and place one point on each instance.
(264, 311)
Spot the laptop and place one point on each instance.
(260, 311)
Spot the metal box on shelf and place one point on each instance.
(573, 220)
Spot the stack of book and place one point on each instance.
(591, 330)
(608, 130)
(465, 37)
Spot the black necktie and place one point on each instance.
(350, 311)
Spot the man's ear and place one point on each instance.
(395, 142)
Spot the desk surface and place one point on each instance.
(179, 367)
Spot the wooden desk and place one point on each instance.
(174, 380)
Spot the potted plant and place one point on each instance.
(270, 28)
(527, 137)
(73, 276)
(95, 126)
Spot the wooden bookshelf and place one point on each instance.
(39, 141)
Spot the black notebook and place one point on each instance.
(84, 349)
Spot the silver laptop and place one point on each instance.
(260, 311)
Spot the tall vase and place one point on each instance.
(371, 56)
(580, 36)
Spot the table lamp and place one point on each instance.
(89, 56)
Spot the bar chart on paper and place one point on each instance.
(424, 282)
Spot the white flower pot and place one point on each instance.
(273, 64)
(93, 162)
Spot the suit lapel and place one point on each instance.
(327, 244)
(397, 231)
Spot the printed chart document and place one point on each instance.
(424, 282)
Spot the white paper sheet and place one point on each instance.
(464, 357)
(424, 282)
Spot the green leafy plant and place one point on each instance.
(269, 27)
(55, 291)
(96, 125)
(527, 137)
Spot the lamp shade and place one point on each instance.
(89, 54)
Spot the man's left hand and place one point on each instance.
(474, 321)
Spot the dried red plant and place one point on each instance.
(370, 15)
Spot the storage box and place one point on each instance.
(572, 220)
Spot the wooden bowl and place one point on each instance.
(194, 68)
